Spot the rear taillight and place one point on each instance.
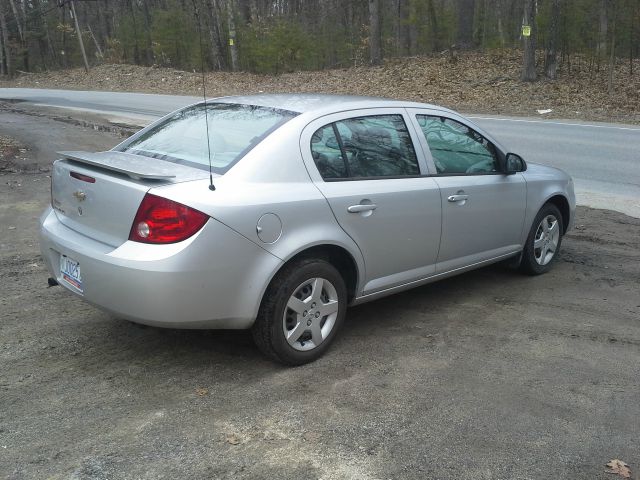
(160, 220)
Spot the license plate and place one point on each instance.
(70, 272)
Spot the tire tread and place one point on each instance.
(262, 328)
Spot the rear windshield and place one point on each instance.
(233, 131)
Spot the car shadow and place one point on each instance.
(430, 299)
(123, 341)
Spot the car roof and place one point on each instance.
(310, 102)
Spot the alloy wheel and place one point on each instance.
(310, 314)
(547, 237)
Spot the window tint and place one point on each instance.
(233, 131)
(456, 148)
(374, 146)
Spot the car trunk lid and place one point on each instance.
(98, 194)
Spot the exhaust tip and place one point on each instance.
(52, 282)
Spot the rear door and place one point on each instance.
(482, 208)
(367, 167)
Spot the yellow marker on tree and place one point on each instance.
(526, 30)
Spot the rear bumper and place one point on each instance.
(215, 279)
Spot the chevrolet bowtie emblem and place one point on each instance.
(80, 195)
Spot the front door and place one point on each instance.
(482, 208)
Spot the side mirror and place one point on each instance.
(514, 163)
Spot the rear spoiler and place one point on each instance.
(135, 166)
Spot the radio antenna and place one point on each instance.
(204, 95)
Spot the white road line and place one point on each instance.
(548, 122)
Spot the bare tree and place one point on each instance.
(233, 47)
(529, 41)
(375, 40)
(79, 32)
(466, 12)
(146, 15)
(603, 30)
(21, 24)
(214, 34)
(5, 50)
(551, 61)
(612, 58)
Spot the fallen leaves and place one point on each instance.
(618, 467)
(478, 82)
(201, 391)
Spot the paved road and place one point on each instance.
(604, 159)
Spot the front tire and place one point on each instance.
(543, 243)
(301, 312)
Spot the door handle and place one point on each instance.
(362, 208)
(457, 198)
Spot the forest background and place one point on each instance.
(474, 51)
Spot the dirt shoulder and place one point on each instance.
(490, 374)
(475, 82)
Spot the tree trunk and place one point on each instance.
(21, 24)
(63, 21)
(499, 19)
(466, 12)
(435, 29)
(529, 42)
(233, 47)
(17, 19)
(612, 57)
(375, 40)
(95, 42)
(602, 34)
(148, 50)
(214, 36)
(45, 24)
(103, 20)
(395, 9)
(403, 33)
(6, 50)
(551, 61)
(136, 47)
(2, 67)
(79, 33)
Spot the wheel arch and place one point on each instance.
(336, 255)
(561, 202)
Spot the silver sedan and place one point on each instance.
(276, 212)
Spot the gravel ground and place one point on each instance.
(487, 375)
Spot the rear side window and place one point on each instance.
(456, 148)
(327, 154)
(365, 147)
(233, 131)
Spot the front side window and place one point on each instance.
(233, 130)
(365, 147)
(456, 148)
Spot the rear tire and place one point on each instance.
(301, 312)
(543, 242)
